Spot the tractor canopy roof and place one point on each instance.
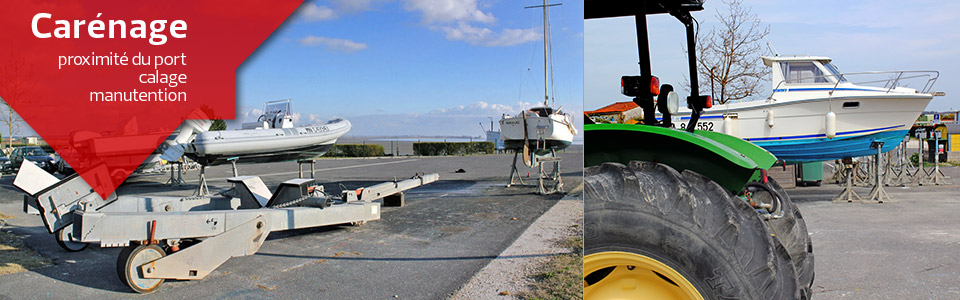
(595, 9)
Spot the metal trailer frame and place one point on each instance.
(195, 234)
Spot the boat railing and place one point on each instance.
(891, 83)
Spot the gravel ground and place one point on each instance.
(511, 271)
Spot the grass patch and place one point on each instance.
(562, 277)
(15, 256)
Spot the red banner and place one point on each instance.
(105, 82)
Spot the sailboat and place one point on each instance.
(539, 130)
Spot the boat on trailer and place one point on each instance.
(273, 137)
(817, 113)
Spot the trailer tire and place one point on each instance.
(698, 240)
(791, 231)
(63, 237)
(133, 256)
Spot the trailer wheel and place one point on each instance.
(654, 233)
(129, 261)
(64, 235)
(791, 231)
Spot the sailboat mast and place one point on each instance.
(546, 96)
(546, 62)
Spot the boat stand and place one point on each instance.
(553, 178)
(861, 174)
(878, 193)
(176, 174)
(202, 189)
(515, 178)
(848, 194)
(312, 163)
(920, 176)
(837, 176)
(547, 182)
(233, 163)
(936, 176)
(902, 168)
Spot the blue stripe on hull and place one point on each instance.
(821, 149)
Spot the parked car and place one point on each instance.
(61, 166)
(33, 154)
(5, 165)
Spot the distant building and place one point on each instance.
(494, 137)
(29, 140)
(928, 118)
(619, 112)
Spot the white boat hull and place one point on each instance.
(543, 133)
(265, 145)
(796, 130)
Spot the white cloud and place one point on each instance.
(351, 6)
(333, 43)
(465, 21)
(441, 11)
(310, 119)
(480, 109)
(311, 12)
(483, 36)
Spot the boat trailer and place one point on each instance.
(186, 238)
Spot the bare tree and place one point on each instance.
(729, 54)
(15, 83)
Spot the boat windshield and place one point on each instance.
(802, 72)
(278, 107)
(834, 71)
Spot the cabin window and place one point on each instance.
(802, 72)
(834, 71)
(855, 104)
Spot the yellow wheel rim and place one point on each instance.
(635, 276)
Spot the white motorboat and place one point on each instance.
(816, 113)
(539, 130)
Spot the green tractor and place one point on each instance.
(683, 214)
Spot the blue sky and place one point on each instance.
(414, 67)
(860, 36)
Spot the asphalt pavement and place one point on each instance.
(904, 248)
(446, 232)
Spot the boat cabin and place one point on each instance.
(545, 111)
(802, 70)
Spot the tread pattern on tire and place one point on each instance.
(791, 231)
(688, 222)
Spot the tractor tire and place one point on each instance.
(654, 233)
(791, 231)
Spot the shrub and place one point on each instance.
(355, 150)
(452, 148)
